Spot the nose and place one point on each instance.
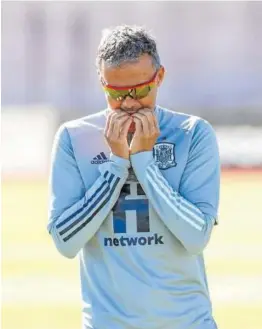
(130, 105)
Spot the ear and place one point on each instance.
(160, 76)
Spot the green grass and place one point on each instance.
(31, 266)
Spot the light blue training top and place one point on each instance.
(140, 231)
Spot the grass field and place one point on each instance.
(40, 289)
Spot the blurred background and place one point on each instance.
(212, 52)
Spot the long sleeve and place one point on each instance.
(75, 214)
(191, 212)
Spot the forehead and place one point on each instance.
(129, 74)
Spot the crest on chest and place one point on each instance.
(164, 155)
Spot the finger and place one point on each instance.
(139, 127)
(111, 126)
(119, 119)
(153, 123)
(145, 123)
(118, 114)
(108, 125)
(117, 125)
(125, 127)
(119, 122)
(148, 113)
(115, 116)
(146, 110)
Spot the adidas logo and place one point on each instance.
(100, 158)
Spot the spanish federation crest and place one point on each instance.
(164, 154)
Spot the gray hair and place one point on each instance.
(124, 44)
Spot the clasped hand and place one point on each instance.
(145, 135)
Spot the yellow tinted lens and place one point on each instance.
(116, 94)
(136, 93)
(141, 92)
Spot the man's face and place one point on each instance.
(131, 75)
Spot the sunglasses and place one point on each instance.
(136, 92)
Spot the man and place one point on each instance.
(134, 191)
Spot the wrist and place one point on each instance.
(136, 151)
(121, 155)
(142, 159)
(133, 152)
(123, 162)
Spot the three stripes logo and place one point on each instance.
(100, 158)
(76, 219)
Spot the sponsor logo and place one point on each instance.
(100, 158)
(131, 220)
(134, 241)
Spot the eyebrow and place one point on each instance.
(134, 86)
